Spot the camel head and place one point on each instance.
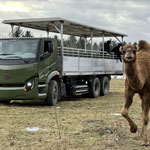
(129, 53)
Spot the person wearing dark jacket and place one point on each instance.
(107, 46)
(117, 51)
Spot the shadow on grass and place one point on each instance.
(24, 103)
(79, 98)
(32, 103)
(75, 98)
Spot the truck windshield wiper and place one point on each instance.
(6, 54)
(20, 58)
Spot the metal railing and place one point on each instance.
(75, 52)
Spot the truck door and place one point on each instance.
(46, 60)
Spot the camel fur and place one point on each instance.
(137, 70)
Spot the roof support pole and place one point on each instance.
(62, 46)
(92, 47)
(91, 40)
(118, 39)
(103, 45)
(12, 30)
(122, 45)
(56, 27)
(62, 41)
(85, 43)
(103, 52)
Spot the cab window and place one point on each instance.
(48, 47)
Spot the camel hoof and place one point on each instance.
(133, 129)
(145, 144)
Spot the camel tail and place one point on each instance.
(143, 45)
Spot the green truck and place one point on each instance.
(36, 68)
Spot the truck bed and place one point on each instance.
(88, 62)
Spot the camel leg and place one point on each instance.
(124, 112)
(145, 119)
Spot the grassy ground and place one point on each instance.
(84, 124)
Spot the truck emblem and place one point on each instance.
(6, 76)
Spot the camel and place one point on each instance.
(137, 70)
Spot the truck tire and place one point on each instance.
(53, 96)
(104, 86)
(95, 88)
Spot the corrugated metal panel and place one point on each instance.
(70, 27)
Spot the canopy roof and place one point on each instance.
(69, 27)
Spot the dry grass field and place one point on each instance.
(83, 124)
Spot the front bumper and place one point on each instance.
(18, 93)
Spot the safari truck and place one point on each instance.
(36, 68)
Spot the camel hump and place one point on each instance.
(143, 45)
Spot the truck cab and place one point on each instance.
(26, 67)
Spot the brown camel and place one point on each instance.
(137, 69)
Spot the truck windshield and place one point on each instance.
(14, 49)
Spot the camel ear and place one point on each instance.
(121, 48)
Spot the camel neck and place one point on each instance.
(132, 75)
(131, 70)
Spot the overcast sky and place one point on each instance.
(131, 17)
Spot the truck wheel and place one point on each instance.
(104, 86)
(95, 88)
(52, 97)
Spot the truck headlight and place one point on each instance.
(29, 85)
